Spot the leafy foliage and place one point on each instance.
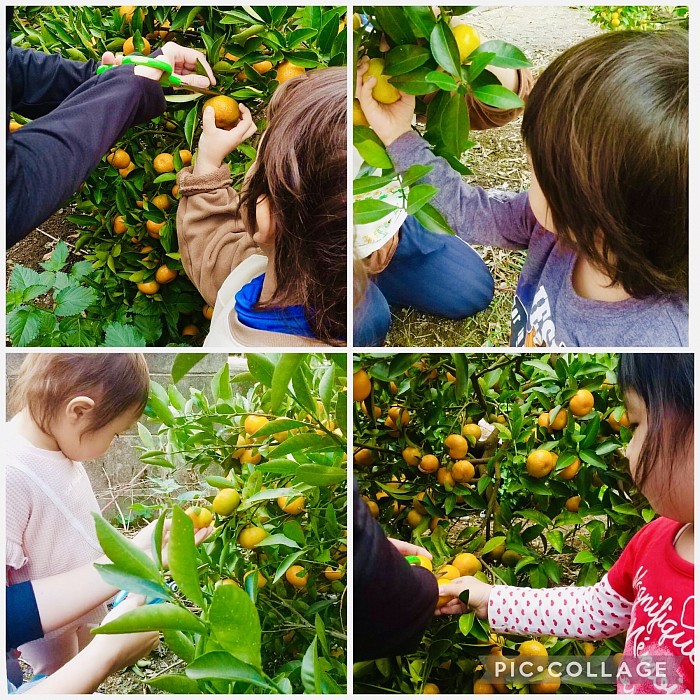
(502, 508)
(236, 632)
(237, 42)
(641, 17)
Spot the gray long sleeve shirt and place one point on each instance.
(547, 311)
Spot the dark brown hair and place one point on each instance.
(665, 383)
(606, 126)
(117, 382)
(301, 169)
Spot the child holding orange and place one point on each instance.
(649, 592)
(605, 221)
(273, 262)
(68, 408)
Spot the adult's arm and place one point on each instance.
(48, 159)
(394, 602)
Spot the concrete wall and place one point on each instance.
(113, 473)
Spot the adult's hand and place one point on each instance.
(144, 538)
(408, 549)
(185, 61)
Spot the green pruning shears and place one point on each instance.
(415, 561)
(168, 79)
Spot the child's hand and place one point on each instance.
(388, 121)
(479, 594)
(408, 549)
(215, 144)
(143, 539)
(184, 61)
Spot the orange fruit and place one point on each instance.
(471, 430)
(573, 504)
(190, 330)
(616, 425)
(467, 564)
(226, 111)
(118, 225)
(431, 689)
(127, 12)
(457, 445)
(448, 571)
(164, 275)
(560, 421)
(261, 579)
(375, 409)
(201, 517)
(393, 388)
(146, 249)
(293, 505)
(532, 648)
(208, 312)
(463, 471)
(443, 599)
(226, 501)
(547, 683)
(510, 558)
(130, 48)
(467, 39)
(154, 228)
(119, 159)
(148, 287)
(444, 477)
(588, 648)
(287, 70)
(358, 116)
(163, 163)
(363, 457)
(292, 574)
(333, 574)
(539, 463)
(435, 523)
(581, 403)
(412, 456)
(124, 172)
(398, 413)
(162, 202)
(225, 582)
(413, 518)
(373, 507)
(175, 192)
(185, 156)
(571, 471)
(253, 423)
(361, 385)
(14, 126)
(429, 464)
(482, 687)
(251, 536)
(250, 456)
(262, 67)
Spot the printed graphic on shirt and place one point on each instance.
(532, 325)
(661, 626)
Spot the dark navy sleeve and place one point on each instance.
(48, 159)
(393, 601)
(23, 623)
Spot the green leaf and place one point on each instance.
(393, 22)
(180, 644)
(286, 366)
(325, 388)
(261, 367)
(421, 18)
(369, 183)
(466, 622)
(279, 425)
(220, 665)
(183, 363)
(492, 544)
(462, 369)
(269, 495)
(277, 540)
(175, 683)
(415, 82)
(134, 584)
(306, 441)
(72, 301)
(419, 195)
(415, 173)
(454, 124)
(403, 59)
(311, 670)
(444, 47)
(159, 616)
(126, 556)
(506, 55)
(319, 475)
(498, 96)
(477, 65)
(365, 211)
(556, 539)
(235, 624)
(433, 220)
(23, 326)
(119, 335)
(442, 80)
(221, 384)
(58, 258)
(27, 281)
(584, 557)
(182, 555)
(373, 153)
(590, 457)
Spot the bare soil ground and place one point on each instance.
(498, 161)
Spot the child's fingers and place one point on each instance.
(200, 81)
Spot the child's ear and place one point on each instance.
(78, 407)
(265, 232)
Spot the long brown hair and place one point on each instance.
(606, 125)
(301, 171)
(117, 382)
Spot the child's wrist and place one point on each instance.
(205, 165)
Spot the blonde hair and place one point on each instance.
(46, 382)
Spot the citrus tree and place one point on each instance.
(125, 212)
(259, 607)
(417, 51)
(642, 17)
(507, 467)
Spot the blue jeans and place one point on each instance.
(434, 273)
